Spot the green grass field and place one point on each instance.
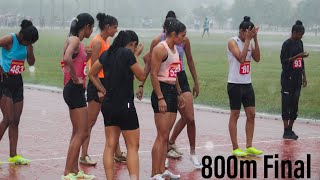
(212, 67)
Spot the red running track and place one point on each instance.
(45, 131)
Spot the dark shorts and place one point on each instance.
(125, 120)
(74, 95)
(12, 87)
(92, 92)
(170, 96)
(183, 82)
(240, 94)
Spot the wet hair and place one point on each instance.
(28, 31)
(246, 23)
(170, 14)
(173, 25)
(298, 27)
(123, 38)
(81, 21)
(106, 20)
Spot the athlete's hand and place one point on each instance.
(140, 93)
(195, 90)
(162, 106)
(88, 51)
(101, 96)
(181, 101)
(304, 83)
(3, 73)
(301, 55)
(139, 49)
(30, 49)
(305, 54)
(250, 33)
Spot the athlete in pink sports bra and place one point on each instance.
(165, 65)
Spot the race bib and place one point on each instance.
(16, 67)
(297, 64)
(62, 65)
(174, 69)
(83, 68)
(245, 68)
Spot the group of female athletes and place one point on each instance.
(110, 89)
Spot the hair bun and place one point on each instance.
(25, 23)
(298, 22)
(101, 16)
(246, 19)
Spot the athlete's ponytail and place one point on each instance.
(79, 22)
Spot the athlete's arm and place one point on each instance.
(134, 63)
(192, 67)
(72, 45)
(30, 56)
(94, 78)
(181, 101)
(95, 50)
(256, 48)
(233, 47)
(147, 58)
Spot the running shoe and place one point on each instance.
(253, 151)
(239, 152)
(70, 176)
(157, 177)
(294, 135)
(169, 174)
(18, 159)
(166, 164)
(175, 148)
(87, 161)
(195, 162)
(121, 158)
(82, 175)
(173, 154)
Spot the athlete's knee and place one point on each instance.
(133, 146)
(163, 137)
(191, 122)
(13, 122)
(234, 115)
(251, 116)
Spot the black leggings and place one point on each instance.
(290, 101)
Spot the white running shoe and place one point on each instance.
(195, 162)
(173, 154)
(157, 177)
(166, 165)
(167, 173)
(175, 148)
